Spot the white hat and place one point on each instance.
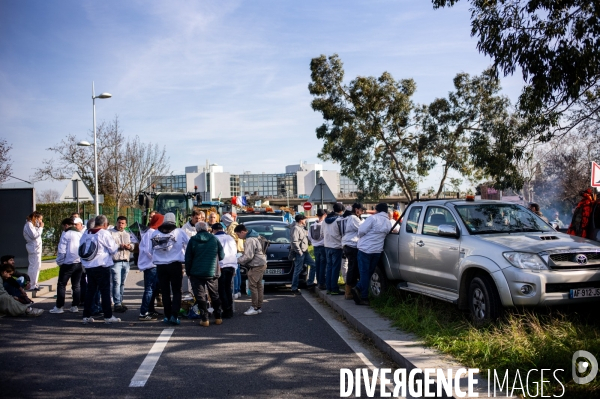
(77, 220)
(169, 218)
(227, 219)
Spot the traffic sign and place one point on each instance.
(307, 206)
(595, 174)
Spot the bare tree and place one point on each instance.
(124, 164)
(145, 162)
(5, 161)
(49, 196)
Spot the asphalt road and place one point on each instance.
(287, 351)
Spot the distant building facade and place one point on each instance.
(212, 182)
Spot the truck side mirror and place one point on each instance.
(447, 230)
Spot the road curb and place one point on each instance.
(378, 341)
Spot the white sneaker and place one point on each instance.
(237, 295)
(74, 309)
(57, 310)
(259, 310)
(112, 320)
(251, 311)
(88, 320)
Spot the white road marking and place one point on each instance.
(143, 373)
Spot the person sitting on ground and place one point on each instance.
(201, 263)
(12, 286)
(25, 280)
(9, 305)
(255, 260)
(68, 260)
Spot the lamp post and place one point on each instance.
(87, 144)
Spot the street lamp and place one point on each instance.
(87, 144)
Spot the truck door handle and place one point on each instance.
(421, 243)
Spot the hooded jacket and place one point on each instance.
(68, 247)
(372, 233)
(168, 244)
(230, 249)
(299, 239)
(202, 255)
(189, 229)
(253, 253)
(352, 224)
(145, 258)
(332, 231)
(106, 245)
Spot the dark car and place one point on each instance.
(280, 270)
(243, 218)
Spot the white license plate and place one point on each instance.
(584, 293)
(274, 271)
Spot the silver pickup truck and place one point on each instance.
(486, 255)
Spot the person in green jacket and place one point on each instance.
(202, 256)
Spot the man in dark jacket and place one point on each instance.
(201, 264)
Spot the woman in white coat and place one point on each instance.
(33, 236)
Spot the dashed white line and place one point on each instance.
(145, 369)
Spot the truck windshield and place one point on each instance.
(164, 203)
(500, 218)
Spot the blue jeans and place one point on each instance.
(318, 270)
(334, 264)
(366, 266)
(299, 262)
(237, 280)
(150, 281)
(119, 272)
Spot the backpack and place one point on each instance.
(88, 249)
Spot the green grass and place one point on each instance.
(47, 274)
(51, 257)
(521, 340)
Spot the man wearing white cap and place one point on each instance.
(70, 265)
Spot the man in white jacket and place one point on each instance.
(229, 266)
(145, 265)
(96, 250)
(349, 242)
(168, 254)
(70, 265)
(371, 237)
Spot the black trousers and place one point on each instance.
(225, 293)
(170, 277)
(71, 271)
(203, 288)
(98, 279)
(352, 275)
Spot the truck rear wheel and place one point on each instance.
(484, 301)
(379, 282)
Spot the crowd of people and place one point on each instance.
(199, 261)
(341, 234)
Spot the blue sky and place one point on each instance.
(222, 80)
